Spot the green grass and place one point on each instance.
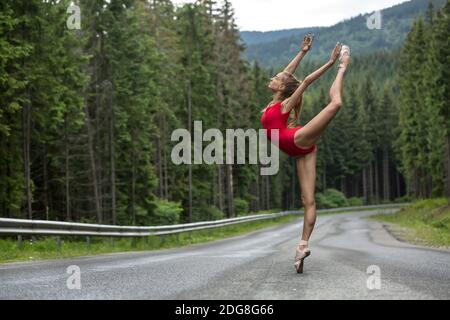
(424, 222)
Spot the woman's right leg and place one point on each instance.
(306, 172)
(313, 130)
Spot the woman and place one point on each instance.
(300, 142)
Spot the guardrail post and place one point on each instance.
(19, 241)
(58, 243)
(88, 242)
(112, 241)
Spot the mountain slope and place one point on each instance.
(259, 37)
(272, 49)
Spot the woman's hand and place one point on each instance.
(336, 52)
(305, 47)
(307, 43)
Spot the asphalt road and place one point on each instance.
(256, 266)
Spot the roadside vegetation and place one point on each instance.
(425, 222)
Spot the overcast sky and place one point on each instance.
(267, 15)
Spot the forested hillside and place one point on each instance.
(87, 115)
(396, 23)
(258, 37)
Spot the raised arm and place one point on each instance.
(304, 48)
(297, 96)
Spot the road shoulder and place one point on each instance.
(389, 234)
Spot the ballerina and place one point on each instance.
(300, 141)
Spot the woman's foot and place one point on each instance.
(301, 253)
(337, 87)
(344, 59)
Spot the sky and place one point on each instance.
(269, 15)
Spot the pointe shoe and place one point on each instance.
(345, 51)
(300, 255)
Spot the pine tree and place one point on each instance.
(438, 101)
(408, 143)
(12, 84)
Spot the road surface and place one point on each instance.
(255, 266)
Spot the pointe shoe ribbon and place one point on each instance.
(301, 254)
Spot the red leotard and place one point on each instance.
(273, 118)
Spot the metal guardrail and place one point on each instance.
(21, 227)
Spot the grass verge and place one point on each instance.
(424, 222)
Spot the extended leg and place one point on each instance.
(306, 171)
(313, 130)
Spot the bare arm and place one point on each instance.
(295, 62)
(305, 47)
(295, 99)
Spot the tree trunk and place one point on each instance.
(419, 183)
(448, 168)
(159, 161)
(397, 178)
(45, 172)
(230, 191)
(191, 133)
(99, 111)
(112, 155)
(416, 189)
(258, 190)
(165, 169)
(67, 185)
(371, 183)
(355, 186)
(133, 189)
(342, 185)
(98, 209)
(220, 188)
(264, 192)
(377, 181)
(428, 185)
(6, 207)
(293, 188)
(386, 183)
(364, 184)
(26, 158)
(422, 183)
(214, 189)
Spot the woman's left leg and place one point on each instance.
(313, 130)
(306, 171)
